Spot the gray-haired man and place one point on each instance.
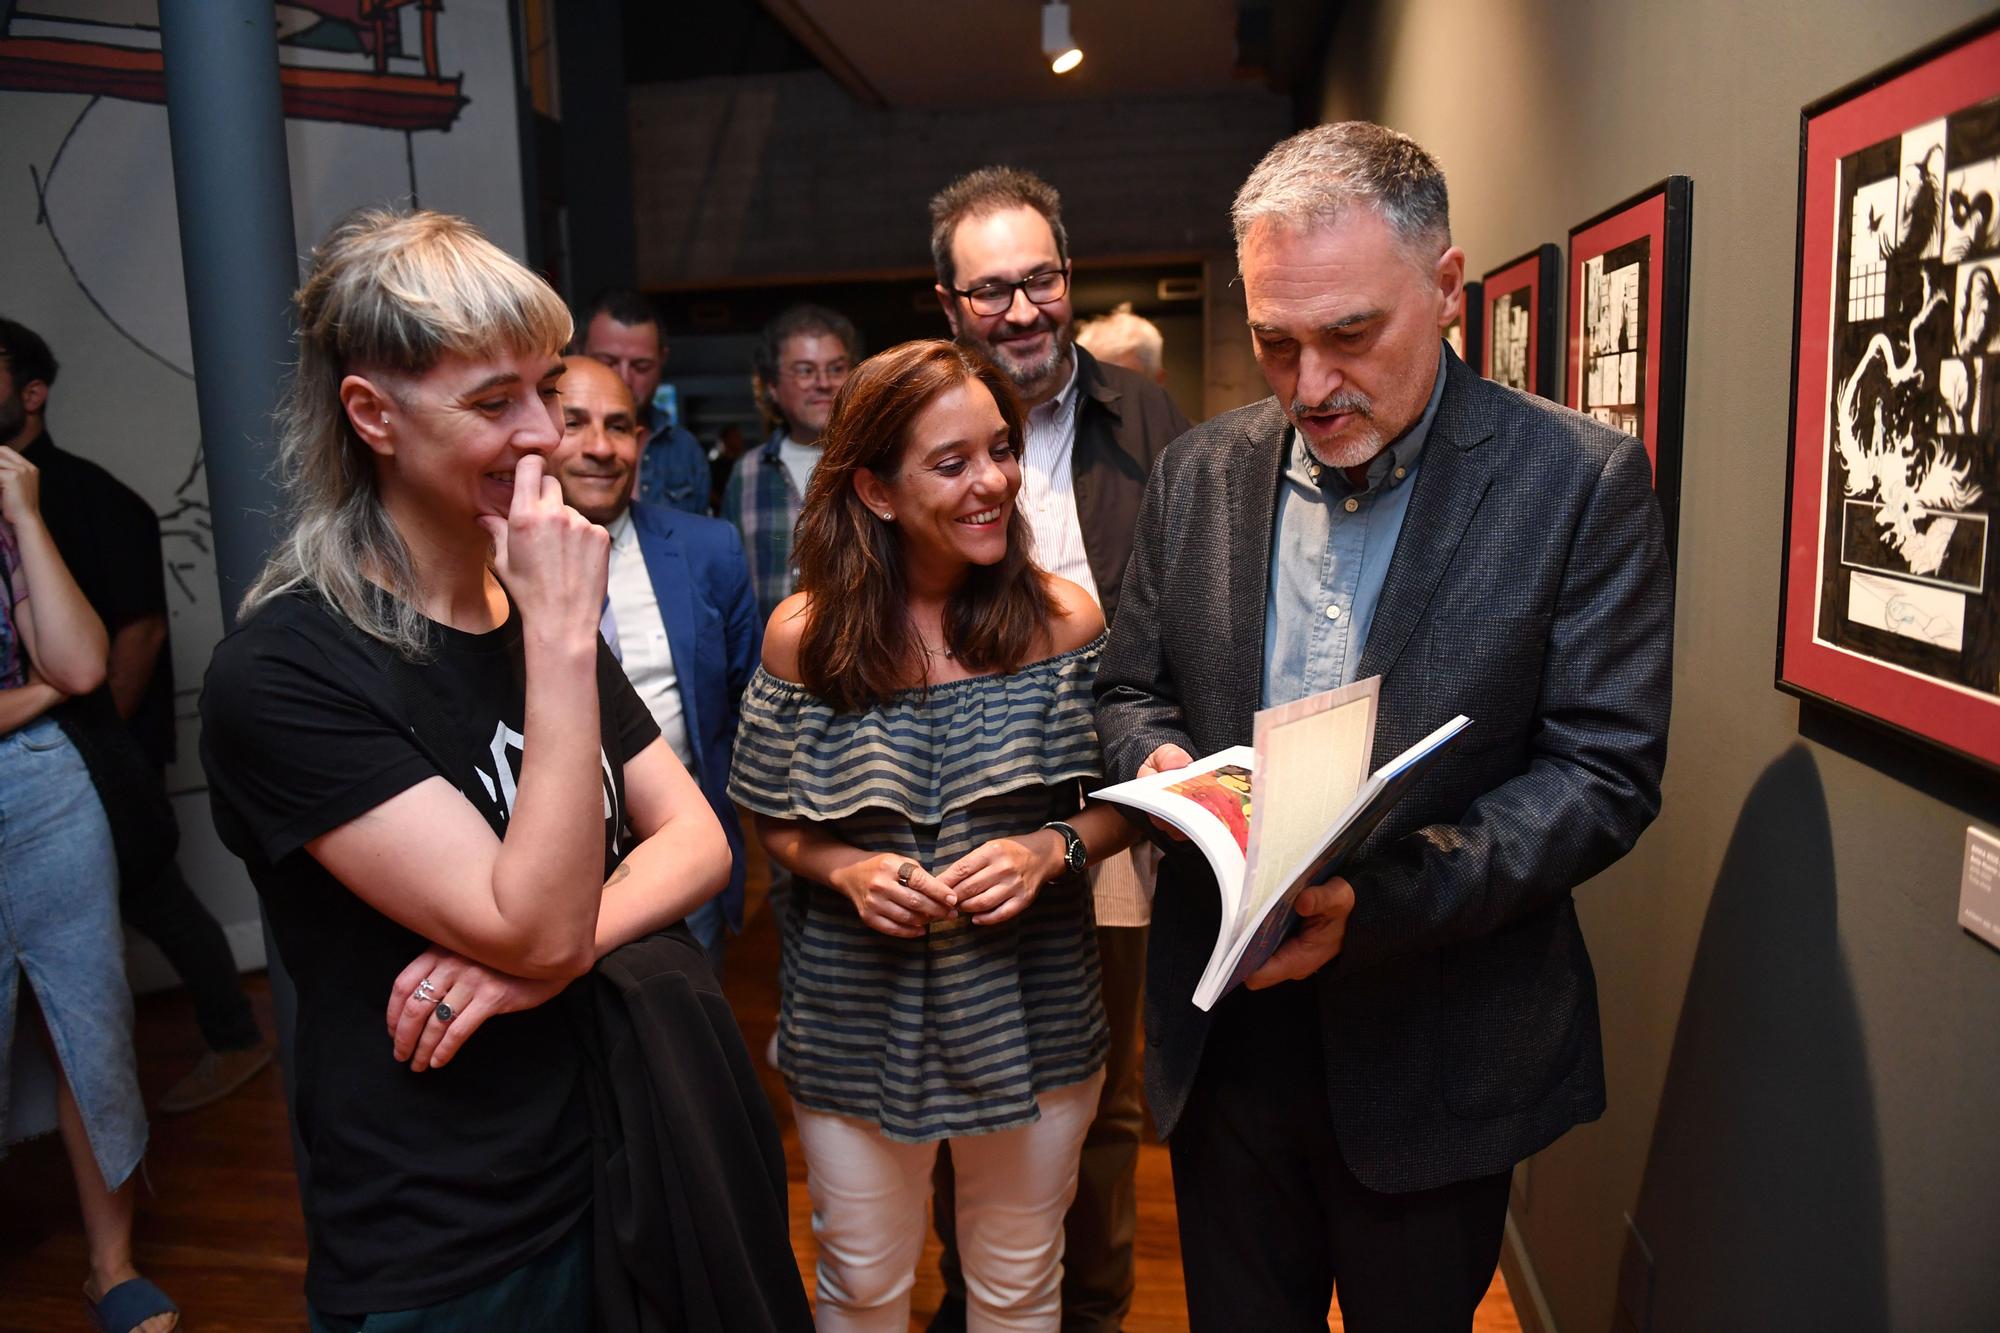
(1353, 1117)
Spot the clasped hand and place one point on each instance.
(994, 882)
(475, 993)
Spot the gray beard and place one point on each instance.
(1035, 380)
(1351, 452)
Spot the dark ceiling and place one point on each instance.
(881, 57)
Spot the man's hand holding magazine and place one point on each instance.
(1323, 911)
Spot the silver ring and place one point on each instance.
(425, 990)
(904, 873)
(444, 1012)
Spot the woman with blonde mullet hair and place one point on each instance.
(449, 799)
(914, 748)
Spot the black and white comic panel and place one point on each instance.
(1913, 457)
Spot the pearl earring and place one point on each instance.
(887, 516)
(385, 418)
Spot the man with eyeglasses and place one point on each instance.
(801, 360)
(1093, 431)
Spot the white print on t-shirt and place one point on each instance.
(506, 745)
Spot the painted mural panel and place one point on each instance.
(385, 100)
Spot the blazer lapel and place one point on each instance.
(1252, 487)
(1453, 479)
(667, 567)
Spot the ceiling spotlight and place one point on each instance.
(1063, 53)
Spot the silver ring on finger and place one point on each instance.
(426, 990)
(444, 1012)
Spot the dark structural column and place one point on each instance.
(600, 247)
(233, 193)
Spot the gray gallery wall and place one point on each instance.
(1803, 1048)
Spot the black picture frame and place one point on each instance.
(1652, 232)
(1942, 704)
(1471, 315)
(1539, 274)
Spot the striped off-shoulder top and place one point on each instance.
(957, 1032)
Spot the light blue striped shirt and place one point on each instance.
(1330, 550)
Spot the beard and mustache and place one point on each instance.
(1363, 438)
(1042, 374)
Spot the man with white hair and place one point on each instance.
(1353, 1115)
(1122, 338)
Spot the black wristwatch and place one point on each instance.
(1076, 858)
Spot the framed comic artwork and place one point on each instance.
(1628, 297)
(1519, 339)
(1463, 332)
(1888, 608)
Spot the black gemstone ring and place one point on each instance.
(444, 1012)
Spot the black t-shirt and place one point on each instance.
(110, 539)
(418, 1187)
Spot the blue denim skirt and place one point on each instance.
(59, 932)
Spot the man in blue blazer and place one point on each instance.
(1350, 1118)
(679, 611)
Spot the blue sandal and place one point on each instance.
(128, 1305)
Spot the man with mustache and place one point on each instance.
(1351, 1118)
(678, 612)
(1093, 431)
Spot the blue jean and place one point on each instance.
(59, 930)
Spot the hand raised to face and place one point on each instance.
(552, 560)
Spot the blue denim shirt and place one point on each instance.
(673, 468)
(1330, 550)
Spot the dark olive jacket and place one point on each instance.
(1124, 422)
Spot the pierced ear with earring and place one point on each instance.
(888, 517)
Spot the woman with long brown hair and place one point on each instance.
(914, 749)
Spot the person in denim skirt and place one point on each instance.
(59, 906)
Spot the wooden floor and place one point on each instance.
(221, 1230)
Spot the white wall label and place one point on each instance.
(1979, 891)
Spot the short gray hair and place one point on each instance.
(1312, 177)
(1122, 333)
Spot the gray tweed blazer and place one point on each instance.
(1529, 590)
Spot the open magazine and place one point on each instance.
(1260, 814)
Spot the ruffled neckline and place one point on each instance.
(925, 693)
(923, 753)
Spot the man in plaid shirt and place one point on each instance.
(802, 359)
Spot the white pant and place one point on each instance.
(1014, 1187)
